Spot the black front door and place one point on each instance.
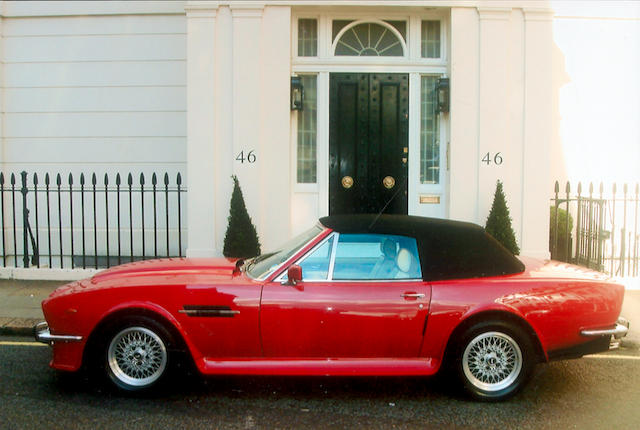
(368, 143)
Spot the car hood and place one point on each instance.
(164, 271)
(222, 267)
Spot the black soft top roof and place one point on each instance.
(448, 249)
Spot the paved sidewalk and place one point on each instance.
(20, 304)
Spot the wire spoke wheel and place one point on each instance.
(492, 361)
(137, 357)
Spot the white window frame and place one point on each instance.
(403, 43)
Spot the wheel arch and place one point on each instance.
(108, 321)
(493, 315)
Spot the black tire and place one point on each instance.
(136, 354)
(493, 360)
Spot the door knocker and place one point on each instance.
(347, 182)
(389, 182)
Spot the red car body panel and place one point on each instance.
(328, 328)
(343, 319)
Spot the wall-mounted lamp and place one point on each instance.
(442, 92)
(297, 93)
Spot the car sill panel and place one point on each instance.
(324, 367)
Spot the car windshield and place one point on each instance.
(263, 265)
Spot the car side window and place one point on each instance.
(376, 257)
(315, 266)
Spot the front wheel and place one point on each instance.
(137, 355)
(494, 360)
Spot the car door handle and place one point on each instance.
(413, 295)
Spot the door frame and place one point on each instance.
(412, 65)
(397, 197)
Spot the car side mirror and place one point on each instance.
(294, 274)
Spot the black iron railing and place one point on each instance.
(597, 229)
(85, 222)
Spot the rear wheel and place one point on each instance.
(494, 360)
(136, 355)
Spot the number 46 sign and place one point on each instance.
(249, 158)
(496, 159)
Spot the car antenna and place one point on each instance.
(375, 220)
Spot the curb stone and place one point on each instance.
(18, 326)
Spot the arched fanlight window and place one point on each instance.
(373, 39)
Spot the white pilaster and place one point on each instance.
(224, 121)
(2, 86)
(201, 136)
(275, 114)
(463, 150)
(538, 124)
(494, 143)
(246, 34)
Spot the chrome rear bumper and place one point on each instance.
(42, 334)
(619, 331)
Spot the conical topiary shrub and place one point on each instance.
(499, 221)
(241, 239)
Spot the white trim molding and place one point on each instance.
(247, 9)
(201, 9)
(535, 14)
(494, 13)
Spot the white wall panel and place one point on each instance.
(95, 124)
(95, 48)
(95, 99)
(64, 169)
(75, 25)
(87, 150)
(67, 8)
(134, 73)
(100, 94)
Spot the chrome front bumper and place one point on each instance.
(42, 334)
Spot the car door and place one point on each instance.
(355, 301)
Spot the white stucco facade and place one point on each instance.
(501, 104)
(190, 86)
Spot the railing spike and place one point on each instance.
(141, 178)
(106, 179)
(154, 179)
(637, 188)
(615, 187)
(166, 178)
(601, 189)
(579, 188)
(81, 178)
(179, 179)
(567, 188)
(13, 179)
(118, 182)
(70, 179)
(46, 179)
(58, 179)
(556, 187)
(625, 188)
(94, 180)
(1, 178)
(130, 179)
(35, 179)
(590, 188)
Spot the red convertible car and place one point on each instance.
(354, 295)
